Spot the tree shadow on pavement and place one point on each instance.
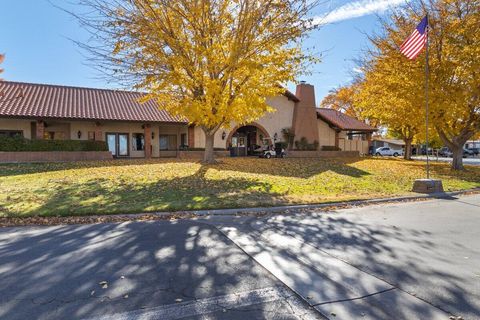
(407, 258)
(58, 272)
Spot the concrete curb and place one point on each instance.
(344, 204)
(192, 214)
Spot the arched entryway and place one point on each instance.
(243, 140)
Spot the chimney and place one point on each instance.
(305, 113)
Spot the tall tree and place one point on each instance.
(212, 62)
(389, 90)
(395, 84)
(2, 57)
(342, 99)
(455, 76)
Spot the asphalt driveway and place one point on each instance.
(147, 270)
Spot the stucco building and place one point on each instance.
(131, 129)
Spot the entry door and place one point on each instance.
(122, 144)
(118, 144)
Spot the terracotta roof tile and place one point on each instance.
(52, 101)
(342, 121)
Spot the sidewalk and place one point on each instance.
(331, 286)
(416, 260)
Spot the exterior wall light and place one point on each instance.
(79, 134)
(224, 134)
(275, 136)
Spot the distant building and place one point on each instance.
(396, 144)
(472, 144)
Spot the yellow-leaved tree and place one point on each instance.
(393, 86)
(2, 57)
(389, 91)
(342, 99)
(213, 62)
(454, 75)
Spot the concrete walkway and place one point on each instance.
(402, 261)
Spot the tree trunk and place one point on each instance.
(457, 161)
(456, 146)
(408, 149)
(209, 156)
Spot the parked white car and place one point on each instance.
(387, 151)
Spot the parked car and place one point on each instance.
(474, 150)
(387, 151)
(468, 153)
(445, 152)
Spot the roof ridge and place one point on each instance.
(68, 86)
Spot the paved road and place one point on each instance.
(153, 270)
(404, 261)
(475, 161)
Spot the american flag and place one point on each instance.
(414, 44)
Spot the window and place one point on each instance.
(11, 133)
(350, 136)
(138, 142)
(183, 140)
(168, 142)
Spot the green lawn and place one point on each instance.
(130, 186)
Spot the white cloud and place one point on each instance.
(357, 9)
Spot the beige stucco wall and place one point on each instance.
(16, 124)
(326, 135)
(273, 122)
(71, 128)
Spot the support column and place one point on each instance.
(191, 136)
(40, 130)
(369, 139)
(369, 142)
(98, 132)
(147, 133)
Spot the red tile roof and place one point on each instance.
(31, 100)
(342, 121)
(53, 101)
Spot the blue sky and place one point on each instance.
(34, 35)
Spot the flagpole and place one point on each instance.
(426, 100)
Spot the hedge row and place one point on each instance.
(330, 148)
(201, 149)
(22, 144)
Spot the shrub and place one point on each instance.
(304, 145)
(22, 144)
(330, 148)
(288, 136)
(202, 149)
